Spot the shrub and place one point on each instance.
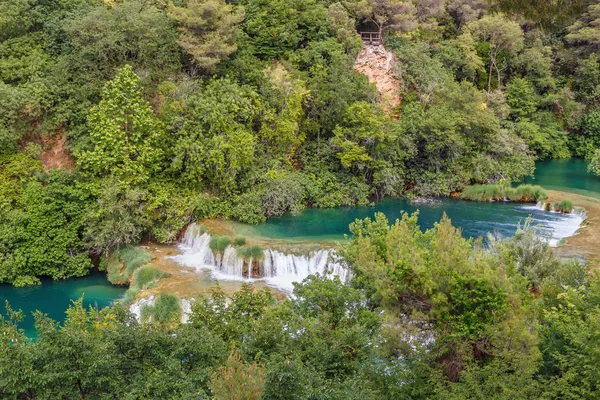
(166, 310)
(565, 206)
(124, 262)
(239, 240)
(548, 206)
(145, 275)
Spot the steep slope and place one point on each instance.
(378, 65)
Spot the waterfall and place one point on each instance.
(554, 225)
(276, 269)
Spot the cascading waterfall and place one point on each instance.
(276, 269)
(556, 225)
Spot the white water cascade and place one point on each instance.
(556, 225)
(276, 269)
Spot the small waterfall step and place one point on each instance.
(277, 268)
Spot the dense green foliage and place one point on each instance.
(179, 110)
(427, 315)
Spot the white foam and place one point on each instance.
(277, 269)
(560, 226)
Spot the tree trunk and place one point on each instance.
(490, 73)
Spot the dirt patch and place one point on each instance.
(55, 154)
(378, 65)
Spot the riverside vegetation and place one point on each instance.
(427, 315)
(162, 112)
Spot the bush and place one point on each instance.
(239, 241)
(548, 206)
(565, 206)
(145, 275)
(124, 262)
(166, 310)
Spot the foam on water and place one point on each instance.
(556, 226)
(277, 269)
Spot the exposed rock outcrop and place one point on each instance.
(378, 65)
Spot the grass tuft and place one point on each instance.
(522, 193)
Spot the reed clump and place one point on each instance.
(239, 241)
(124, 262)
(144, 277)
(498, 192)
(165, 311)
(219, 243)
(565, 206)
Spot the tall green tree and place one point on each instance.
(207, 30)
(504, 38)
(125, 134)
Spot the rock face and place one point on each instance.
(378, 65)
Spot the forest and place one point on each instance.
(125, 120)
(428, 315)
(159, 113)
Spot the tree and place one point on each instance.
(553, 15)
(343, 27)
(126, 136)
(465, 11)
(505, 39)
(388, 15)
(119, 219)
(131, 32)
(587, 28)
(594, 165)
(42, 234)
(436, 284)
(216, 144)
(520, 97)
(207, 30)
(237, 381)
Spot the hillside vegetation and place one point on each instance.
(160, 112)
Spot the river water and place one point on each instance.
(475, 219)
(54, 297)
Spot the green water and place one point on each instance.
(54, 297)
(569, 175)
(475, 219)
